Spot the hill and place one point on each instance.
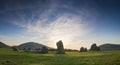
(3, 45)
(110, 47)
(31, 45)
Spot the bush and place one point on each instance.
(94, 47)
(44, 50)
(15, 49)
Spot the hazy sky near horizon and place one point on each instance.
(76, 22)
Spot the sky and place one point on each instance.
(78, 23)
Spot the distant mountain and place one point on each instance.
(110, 46)
(31, 45)
(3, 45)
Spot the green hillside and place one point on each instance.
(9, 57)
(3, 45)
(31, 45)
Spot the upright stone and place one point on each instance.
(82, 49)
(60, 47)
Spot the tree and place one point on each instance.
(29, 49)
(94, 47)
(98, 48)
(15, 49)
(38, 50)
(60, 47)
(44, 50)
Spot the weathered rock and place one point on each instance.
(85, 49)
(82, 49)
(60, 47)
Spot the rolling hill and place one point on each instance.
(109, 46)
(3, 45)
(31, 45)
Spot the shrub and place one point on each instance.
(94, 47)
(15, 49)
(44, 50)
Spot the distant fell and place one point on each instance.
(3, 45)
(31, 45)
(109, 46)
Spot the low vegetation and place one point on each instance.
(94, 47)
(10, 57)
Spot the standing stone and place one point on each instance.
(85, 49)
(82, 49)
(60, 47)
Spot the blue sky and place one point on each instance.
(76, 22)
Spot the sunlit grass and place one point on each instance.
(70, 58)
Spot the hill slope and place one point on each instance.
(109, 47)
(3, 45)
(31, 45)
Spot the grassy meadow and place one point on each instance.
(10, 57)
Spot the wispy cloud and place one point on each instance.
(52, 22)
(66, 27)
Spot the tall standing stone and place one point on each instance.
(82, 49)
(60, 47)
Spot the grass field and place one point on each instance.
(9, 57)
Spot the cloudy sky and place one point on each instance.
(76, 22)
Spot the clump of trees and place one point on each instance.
(82, 49)
(38, 50)
(44, 50)
(27, 49)
(15, 49)
(60, 47)
(94, 47)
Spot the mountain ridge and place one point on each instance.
(110, 46)
(3, 45)
(31, 45)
